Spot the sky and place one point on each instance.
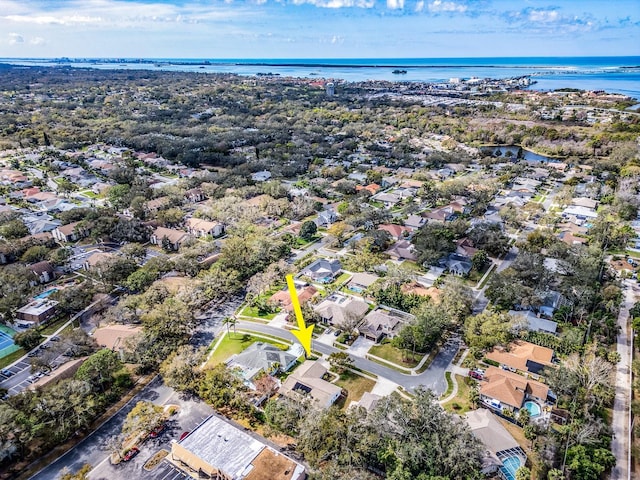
(318, 28)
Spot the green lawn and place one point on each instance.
(12, 357)
(301, 242)
(52, 327)
(233, 343)
(89, 193)
(343, 277)
(355, 385)
(460, 403)
(249, 311)
(447, 376)
(403, 358)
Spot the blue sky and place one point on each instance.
(318, 28)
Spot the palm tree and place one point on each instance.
(230, 321)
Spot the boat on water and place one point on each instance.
(399, 72)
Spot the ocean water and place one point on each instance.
(612, 74)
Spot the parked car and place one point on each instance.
(32, 379)
(155, 433)
(476, 375)
(184, 435)
(33, 353)
(337, 333)
(6, 373)
(130, 454)
(44, 346)
(55, 338)
(328, 330)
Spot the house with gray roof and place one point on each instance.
(457, 264)
(261, 357)
(322, 270)
(339, 309)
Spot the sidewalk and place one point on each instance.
(456, 370)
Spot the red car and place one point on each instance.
(476, 375)
(155, 433)
(130, 454)
(184, 435)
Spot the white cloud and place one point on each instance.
(395, 4)
(37, 41)
(419, 6)
(337, 3)
(15, 38)
(544, 16)
(438, 6)
(53, 20)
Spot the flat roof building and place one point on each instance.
(217, 449)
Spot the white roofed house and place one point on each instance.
(383, 323)
(201, 228)
(322, 270)
(341, 310)
(261, 357)
(307, 382)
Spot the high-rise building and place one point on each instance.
(331, 89)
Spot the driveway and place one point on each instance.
(360, 347)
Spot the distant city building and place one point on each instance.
(331, 89)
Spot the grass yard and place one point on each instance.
(249, 311)
(12, 357)
(50, 328)
(355, 385)
(233, 343)
(343, 277)
(403, 358)
(460, 403)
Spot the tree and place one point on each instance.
(308, 230)
(523, 473)
(340, 362)
(524, 416)
(99, 369)
(230, 322)
(29, 339)
(338, 231)
(82, 474)
(479, 260)
(14, 229)
(487, 329)
(144, 417)
(34, 254)
(434, 241)
(181, 370)
(285, 415)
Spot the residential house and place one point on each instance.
(402, 250)
(579, 215)
(70, 232)
(507, 391)
(361, 282)
(339, 309)
(383, 323)
(533, 322)
(551, 302)
(397, 232)
(199, 227)
(45, 225)
(283, 298)
(169, 238)
(326, 218)
(43, 271)
(457, 264)
(415, 222)
(585, 202)
(322, 270)
(218, 449)
(498, 442)
(261, 357)
(388, 199)
(570, 239)
(464, 247)
(522, 356)
(372, 188)
(157, 204)
(416, 288)
(442, 214)
(357, 176)
(195, 195)
(429, 278)
(307, 382)
(97, 260)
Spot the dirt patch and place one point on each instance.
(174, 284)
(154, 461)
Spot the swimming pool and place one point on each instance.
(45, 294)
(510, 466)
(533, 407)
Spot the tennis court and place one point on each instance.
(6, 342)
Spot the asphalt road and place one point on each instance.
(92, 449)
(432, 378)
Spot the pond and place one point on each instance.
(515, 151)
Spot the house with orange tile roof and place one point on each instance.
(503, 390)
(371, 188)
(416, 289)
(522, 356)
(283, 298)
(397, 232)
